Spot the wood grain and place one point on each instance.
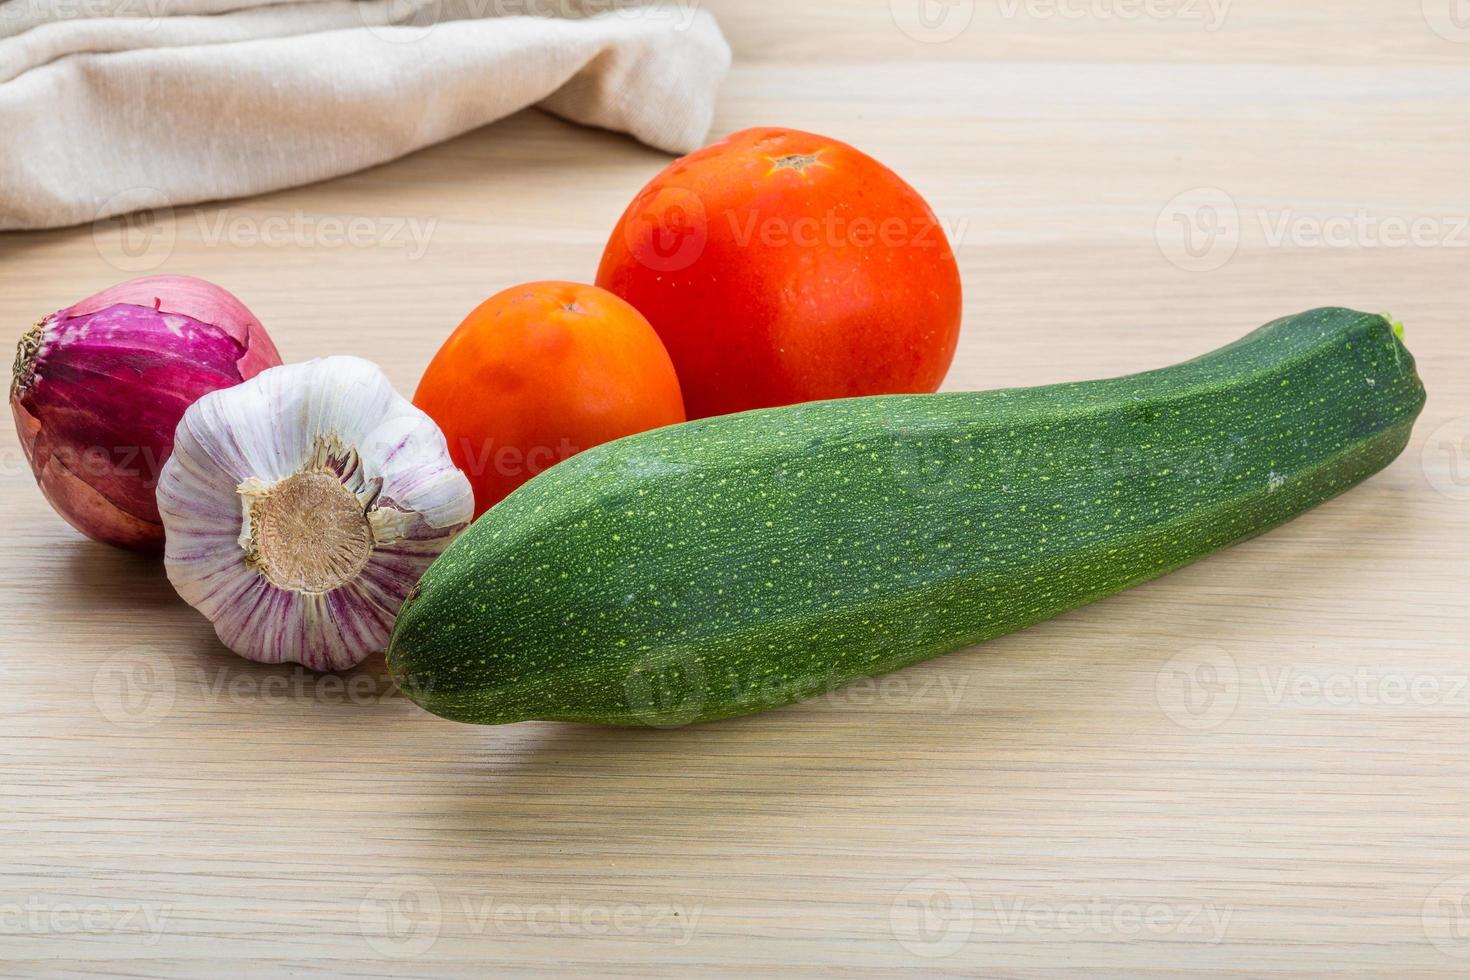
(1260, 763)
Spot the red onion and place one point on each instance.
(100, 386)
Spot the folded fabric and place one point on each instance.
(153, 103)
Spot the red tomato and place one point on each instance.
(780, 266)
(542, 371)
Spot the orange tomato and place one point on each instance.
(540, 372)
(780, 266)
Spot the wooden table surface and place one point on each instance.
(1260, 763)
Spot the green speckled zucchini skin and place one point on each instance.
(734, 564)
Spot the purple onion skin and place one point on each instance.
(100, 386)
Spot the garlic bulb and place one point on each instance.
(301, 506)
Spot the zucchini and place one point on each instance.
(732, 564)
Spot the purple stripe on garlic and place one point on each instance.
(301, 507)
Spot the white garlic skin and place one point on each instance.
(300, 508)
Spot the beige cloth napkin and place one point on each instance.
(109, 106)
